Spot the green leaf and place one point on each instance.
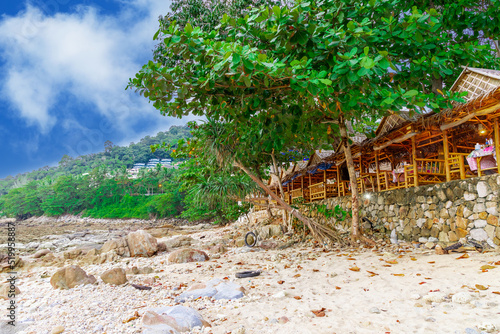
(388, 100)
(262, 57)
(366, 50)
(246, 80)
(236, 58)
(326, 81)
(410, 93)
(300, 37)
(175, 39)
(384, 63)
(156, 34)
(248, 64)
(418, 37)
(188, 28)
(277, 11)
(322, 74)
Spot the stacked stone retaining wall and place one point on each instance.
(446, 211)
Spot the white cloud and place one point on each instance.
(83, 56)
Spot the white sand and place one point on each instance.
(320, 279)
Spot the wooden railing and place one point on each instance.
(286, 197)
(317, 191)
(458, 167)
(429, 171)
(297, 193)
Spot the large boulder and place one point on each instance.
(172, 320)
(141, 243)
(216, 288)
(120, 246)
(69, 277)
(116, 276)
(187, 255)
(7, 289)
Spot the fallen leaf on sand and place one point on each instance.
(481, 287)
(297, 297)
(413, 259)
(497, 263)
(354, 268)
(386, 265)
(422, 283)
(392, 262)
(319, 313)
(371, 273)
(464, 256)
(351, 258)
(281, 282)
(315, 270)
(432, 262)
(496, 292)
(338, 288)
(296, 276)
(398, 274)
(487, 266)
(135, 316)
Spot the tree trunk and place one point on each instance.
(497, 46)
(319, 232)
(355, 231)
(285, 218)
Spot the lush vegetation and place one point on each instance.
(113, 157)
(287, 77)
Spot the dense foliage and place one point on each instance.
(113, 157)
(308, 68)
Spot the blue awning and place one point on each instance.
(321, 166)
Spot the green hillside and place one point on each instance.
(112, 158)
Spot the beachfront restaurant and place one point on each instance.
(410, 151)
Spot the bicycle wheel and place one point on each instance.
(252, 237)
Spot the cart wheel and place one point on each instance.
(252, 238)
(251, 273)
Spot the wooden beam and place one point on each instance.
(446, 155)
(456, 123)
(414, 157)
(395, 141)
(497, 144)
(377, 171)
(483, 112)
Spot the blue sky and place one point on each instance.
(64, 65)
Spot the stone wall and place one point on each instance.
(446, 212)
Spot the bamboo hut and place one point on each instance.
(412, 150)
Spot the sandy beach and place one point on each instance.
(392, 289)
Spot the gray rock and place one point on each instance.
(216, 288)
(482, 189)
(471, 331)
(478, 234)
(480, 223)
(173, 319)
(374, 310)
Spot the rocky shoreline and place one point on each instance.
(156, 277)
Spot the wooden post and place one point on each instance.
(377, 171)
(497, 144)
(310, 200)
(324, 183)
(338, 181)
(302, 187)
(361, 183)
(446, 155)
(414, 156)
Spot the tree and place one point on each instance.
(320, 62)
